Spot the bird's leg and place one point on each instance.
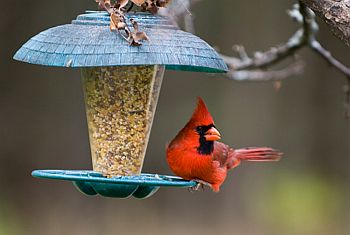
(197, 187)
(200, 184)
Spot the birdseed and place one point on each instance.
(120, 105)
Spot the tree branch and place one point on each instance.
(267, 58)
(263, 60)
(317, 47)
(181, 9)
(296, 68)
(336, 13)
(255, 68)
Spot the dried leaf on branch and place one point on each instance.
(117, 22)
(137, 36)
(117, 10)
(154, 5)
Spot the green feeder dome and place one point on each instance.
(121, 87)
(88, 42)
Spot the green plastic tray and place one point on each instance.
(92, 183)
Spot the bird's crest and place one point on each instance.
(201, 115)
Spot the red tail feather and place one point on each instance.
(260, 154)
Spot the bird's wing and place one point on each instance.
(221, 153)
(225, 155)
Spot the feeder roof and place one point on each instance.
(88, 42)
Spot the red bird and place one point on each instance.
(194, 154)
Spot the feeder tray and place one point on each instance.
(92, 183)
(110, 69)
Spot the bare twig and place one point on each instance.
(317, 47)
(268, 58)
(180, 10)
(189, 25)
(263, 60)
(293, 69)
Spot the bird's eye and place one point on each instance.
(199, 129)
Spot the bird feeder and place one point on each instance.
(121, 86)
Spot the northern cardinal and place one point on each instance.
(194, 154)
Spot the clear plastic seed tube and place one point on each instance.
(120, 106)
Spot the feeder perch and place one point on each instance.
(121, 87)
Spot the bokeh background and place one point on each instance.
(43, 125)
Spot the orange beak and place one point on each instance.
(212, 134)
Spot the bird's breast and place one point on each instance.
(188, 164)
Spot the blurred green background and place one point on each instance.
(43, 126)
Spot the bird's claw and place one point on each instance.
(199, 186)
